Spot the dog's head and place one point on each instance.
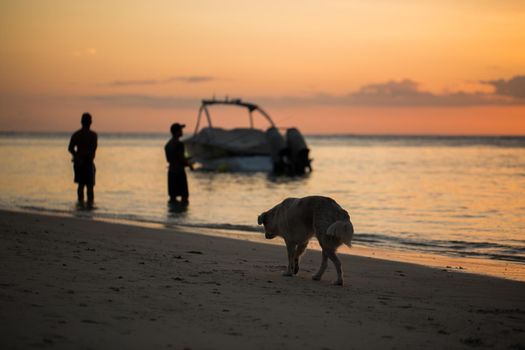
(265, 219)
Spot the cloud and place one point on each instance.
(407, 93)
(193, 79)
(137, 100)
(133, 82)
(514, 87)
(391, 88)
(184, 79)
(402, 93)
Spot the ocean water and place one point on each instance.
(459, 196)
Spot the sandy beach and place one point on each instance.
(74, 283)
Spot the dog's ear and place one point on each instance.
(260, 219)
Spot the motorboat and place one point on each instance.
(247, 149)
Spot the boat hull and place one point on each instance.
(238, 164)
(244, 149)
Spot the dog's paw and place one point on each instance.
(316, 277)
(338, 283)
(287, 274)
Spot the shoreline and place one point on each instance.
(77, 283)
(483, 266)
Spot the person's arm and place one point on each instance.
(187, 161)
(167, 152)
(95, 145)
(71, 147)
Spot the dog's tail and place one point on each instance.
(343, 230)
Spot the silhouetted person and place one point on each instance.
(175, 155)
(82, 146)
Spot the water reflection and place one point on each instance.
(177, 209)
(298, 179)
(84, 210)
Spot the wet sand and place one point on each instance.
(77, 283)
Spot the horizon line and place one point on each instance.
(159, 133)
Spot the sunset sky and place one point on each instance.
(325, 66)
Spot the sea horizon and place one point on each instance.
(189, 130)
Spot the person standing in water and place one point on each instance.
(175, 155)
(82, 146)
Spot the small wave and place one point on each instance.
(419, 141)
(230, 227)
(468, 216)
(43, 210)
(489, 250)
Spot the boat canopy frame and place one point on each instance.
(251, 107)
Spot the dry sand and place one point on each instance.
(74, 283)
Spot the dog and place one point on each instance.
(297, 220)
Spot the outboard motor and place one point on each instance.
(298, 152)
(277, 150)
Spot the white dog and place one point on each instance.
(299, 219)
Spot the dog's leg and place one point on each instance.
(322, 268)
(337, 263)
(300, 250)
(291, 248)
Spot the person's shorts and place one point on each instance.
(177, 184)
(84, 172)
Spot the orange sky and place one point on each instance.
(339, 66)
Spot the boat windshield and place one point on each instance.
(251, 108)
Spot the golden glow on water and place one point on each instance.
(446, 198)
(436, 190)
